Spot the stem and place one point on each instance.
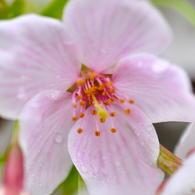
(167, 161)
(82, 190)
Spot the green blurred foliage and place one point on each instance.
(181, 6)
(55, 9)
(70, 185)
(11, 11)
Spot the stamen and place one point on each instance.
(82, 115)
(94, 112)
(112, 90)
(112, 114)
(82, 103)
(131, 101)
(91, 103)
(111, 99)
(92, 74)
(74, 118)
(97, 133)
(113, 130)
(74, 105)
(109, 84)
(79, 97)
(104, 93)
(127, 111)
(106, 103)
(79, 130)
(80, 81)
(101, 112)
(102, 120)
(121, 101)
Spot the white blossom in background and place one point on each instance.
(181, 50)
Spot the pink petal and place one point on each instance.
(159, 88)
(36, 53)
(110, 29)
(44, 124)
(111, 164)
(186, 142)
(182, 182)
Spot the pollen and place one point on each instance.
(127, 111)
(109, 84)
(113, 130)
(94, 112)
(92, 74)
(121, 101)
(79, 130)
(131, 101)
(104, 93)
(82, 115)
(91, 103)
(97, 133)
(111, 99)
(112, 114)
(79, 97)
(112, 90)
(102, 120)
(82, 103)
(74, 105)
(74, 118)
(106, 103)
(80, 81)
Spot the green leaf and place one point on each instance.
(55, 9)
(70, 185)
(181, 6)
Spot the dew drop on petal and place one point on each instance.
(140, 123)
(103, 50)
(84, 169)
(149, 128)
(117, 163)
(21, 93)
(58, 138)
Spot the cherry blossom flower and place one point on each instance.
(117, 95)
(182, 182)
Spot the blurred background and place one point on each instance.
(180, 14)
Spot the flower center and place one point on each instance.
(98, 92)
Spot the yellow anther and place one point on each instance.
(80, 81)
(131, 101)
(121, 101)
(74, 118)
(101, 112)
(112, 90)
(82, 103)
(94, 112)
(106, 103)
(79, 130)
(111, 99)
(79, 97)
(112, 114)
(97, 133)
(104, 93)
(90, 103)
(113, 130)
(127, 111)
(102, 120)
(74, 105)
(81, 115)
(109, 84)
(101, 87)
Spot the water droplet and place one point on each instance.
(23, 77)
(52, 95)
(103, 50)
(20, 93)
(154, 115)
(40, 184)
(84, 169)
(38, 151)
(33, 175)
(140, 123)
(149, 128)
(58, 138)
(117, 163)
(58, 77)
